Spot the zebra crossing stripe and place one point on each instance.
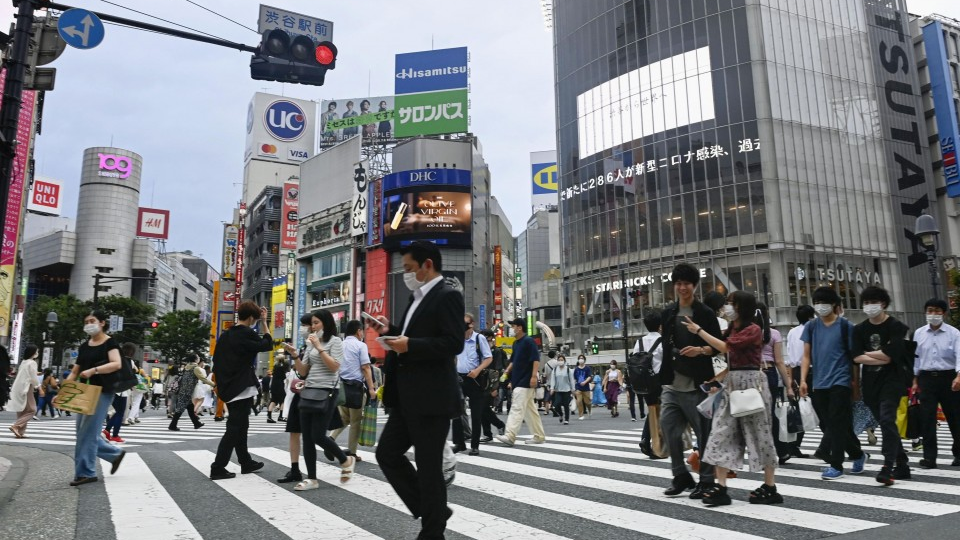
(634, 520)
(466, 521)
(291, 514)
(790, 490)
(141, 509)
(778, 514)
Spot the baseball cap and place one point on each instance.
(518, 322)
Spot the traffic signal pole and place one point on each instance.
(10, 107)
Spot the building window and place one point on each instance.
(105, 251)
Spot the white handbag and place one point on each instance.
(746, 402)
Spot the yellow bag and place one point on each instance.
(902, 416)
(78, 397)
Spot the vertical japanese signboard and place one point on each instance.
(231, 233)
(375, 236)
(358, 210)
(15, 200)
(944, 108)
(240, 253)
(291, 215)
(498, 282)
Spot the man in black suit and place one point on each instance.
(421, 388)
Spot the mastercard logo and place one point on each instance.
(268, 149)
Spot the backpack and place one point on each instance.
(174, 385)
(640, 370)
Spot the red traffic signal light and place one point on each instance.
(150, 325)
(286, 57)
(326, 54)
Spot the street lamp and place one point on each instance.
(48, 346)
(927, 231)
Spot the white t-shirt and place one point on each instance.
(794, 347)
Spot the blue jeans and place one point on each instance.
(90, 445)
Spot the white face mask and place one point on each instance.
(729, 313)
(823, 309)
(934, 320)
(872, 310)
(304, 332)
(91, 329)
(561, 363)
(411, 281)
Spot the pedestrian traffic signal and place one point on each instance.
(595, 347)
(292, 59)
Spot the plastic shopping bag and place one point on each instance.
(708, 406)
(783, 411)
(808, 415)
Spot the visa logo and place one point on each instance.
(295, 154)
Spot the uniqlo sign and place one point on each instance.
(153, 223)
(45, 196)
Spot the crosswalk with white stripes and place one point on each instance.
(576, 485)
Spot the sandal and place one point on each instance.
(356, 457)
(346, 471)
(16, 433)
(716, 496)
(765, 495)
(307, 485)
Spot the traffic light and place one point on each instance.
(292, 59)
(149, 325)
(595, 347)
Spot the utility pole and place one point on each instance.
(12, 99)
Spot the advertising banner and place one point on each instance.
(437, 214)
(428, 71)
(280, 129)
(301, 299)
(370, 117)
(14, 211)
(295, 24)
(358, 209)
(278, 303)
(375, 235)
(943, 105)
(291, 215)
(45, 196)
(426, 177)
(544, 179)
(431, 113)
(240, 253)
(375, 298)
(153, 223)
(497, 281)
(231, 233)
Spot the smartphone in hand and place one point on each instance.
(707, 386)
(372, 319)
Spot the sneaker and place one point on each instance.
(580, 418)
(534, 441)
(716, 496)
(955, 463)
(901, 471)
(291, 476)
(633, 419)
(449, 475)
(885, 476)
(566, 422)
(136, 420)
(927, 464)
(502, 430)
(831, 474)
(858, 464)
(871, 437)
(222, 474)
(504, 440)
(916, 446)
(116, 439)
(702, 487)
(485, 440)
(116, 462)
(679, 485)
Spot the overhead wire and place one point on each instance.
(222, 16)
(162, 19)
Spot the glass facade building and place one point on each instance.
(768, 143)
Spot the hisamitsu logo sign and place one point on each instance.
(428, 71)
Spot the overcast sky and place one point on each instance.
(182, 105)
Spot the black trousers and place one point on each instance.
(835, 409)
(193, 417)
(935, 389)
(775, 392)
(422, 490)
(313, 429)
(795, 373)
(562, 404)
(235, 436)
(478, 403)
(885, 411)
(490, 418)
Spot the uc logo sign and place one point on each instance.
(545, 178)
(285, 120)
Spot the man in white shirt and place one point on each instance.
(356, 378)
(471, 362)
(937, 377)
(650, 443)
(793, 359)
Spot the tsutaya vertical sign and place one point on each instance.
(358, 210)
(904, 138)
(291, 215)
(498, 282)
(14, 210)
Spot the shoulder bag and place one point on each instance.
(318, 399)
(748, 401)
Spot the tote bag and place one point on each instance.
(77, 397)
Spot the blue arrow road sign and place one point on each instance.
(80, 28)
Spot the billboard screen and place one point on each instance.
(432, 113)
(428, 71)
(370, 117)
(443, 216)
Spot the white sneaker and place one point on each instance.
(504, 440)
(581, 418)
(534, 441)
